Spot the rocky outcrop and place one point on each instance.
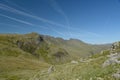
(113, 59)
(117, 75)
(114, 56)
(116, 45)
(61, 55)
(29, 43)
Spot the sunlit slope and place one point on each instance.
(29, 56)
(46, 48)
(76, 48)
(16, 63)
(103, 66)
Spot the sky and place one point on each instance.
(92, 21)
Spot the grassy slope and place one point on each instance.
(20, 68)
(16, 64)
(14, 68)
(76, 48)
(90, 70)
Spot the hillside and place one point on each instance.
(46, 48)
(103, 66)
(26, 55)
(76, 48)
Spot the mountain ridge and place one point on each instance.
(42, 45)
(34, 56)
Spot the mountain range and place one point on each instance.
(21, 55)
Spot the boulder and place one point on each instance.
(74, 62)
(116, 75)
(113, 59)
(51, 69)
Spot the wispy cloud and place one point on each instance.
(13, 10)
(54, 30)
(12, 26)
(93, 34)
(19, 12)
(56, 7)
(58, 32)
(10, 2)
(84, 35)
(18, 20)
(59, 10)
(23, 21)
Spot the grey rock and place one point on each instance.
(99, 78)
(116, 45)
(109, 61)
(116, 75)
(51, 69)
(74, 62)
(113, 59)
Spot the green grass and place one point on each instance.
(83, 70)
(19, 67)
(31, 61)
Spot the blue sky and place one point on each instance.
(92, 21)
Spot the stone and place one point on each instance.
(113, 59)
(99, 78)
(74, 62)
(116, 75)
(51, 69)
(91, 78)
(109, 62)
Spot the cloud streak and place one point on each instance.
(19, 12)
(59, 10)
(85, 35)
(58, 32)
(11, 25)
(18, 20)
(13, 10)
(24, 22)
(14, 4)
